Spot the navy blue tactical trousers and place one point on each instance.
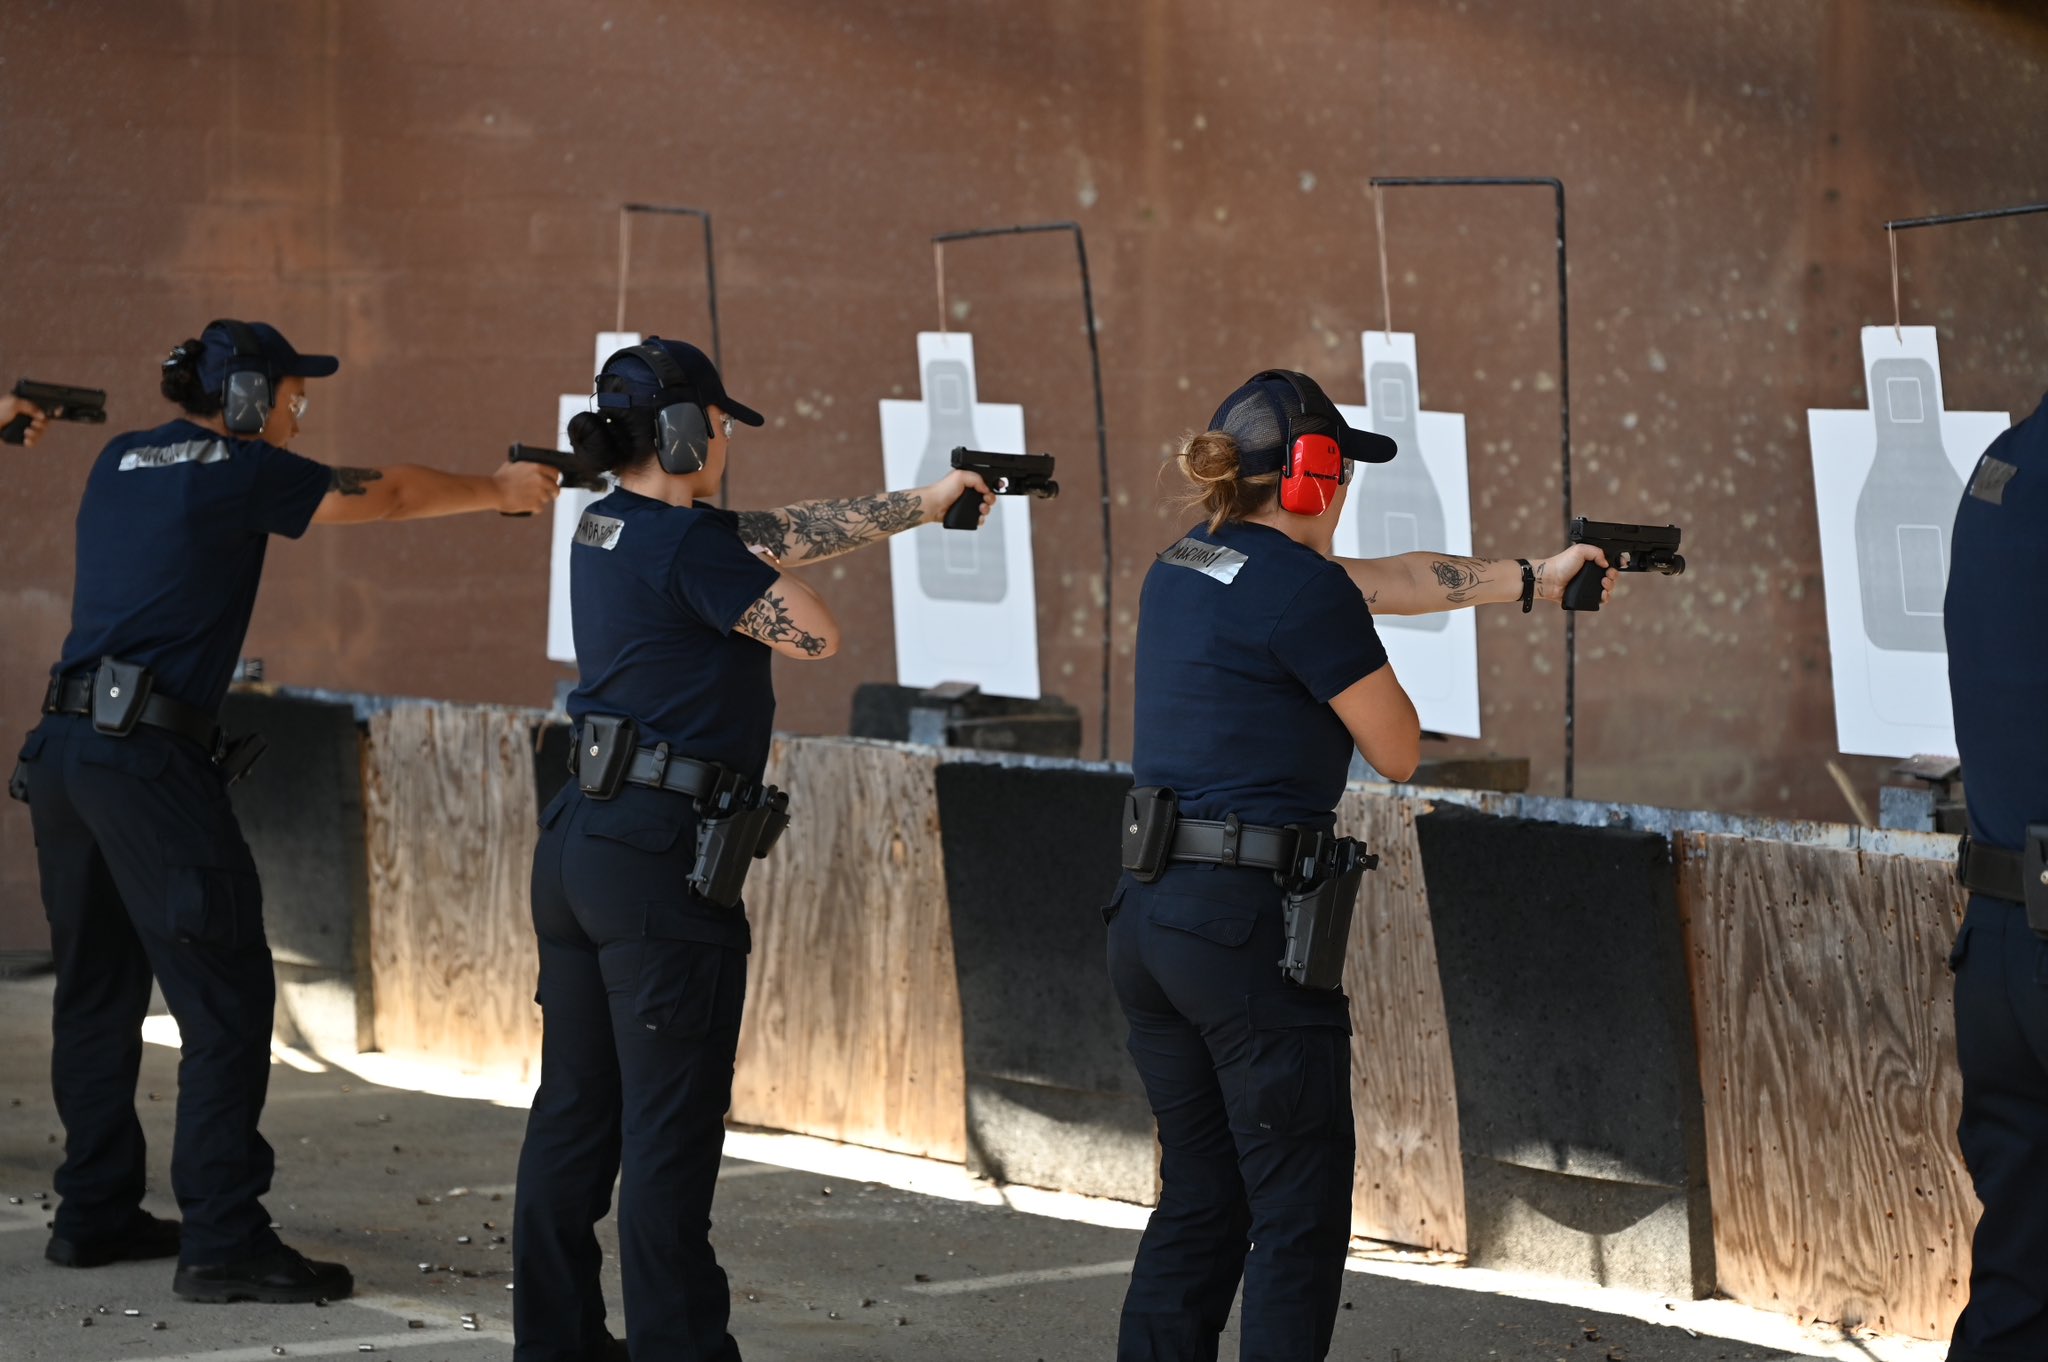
(144, 871)
(641, 1022)
(1250, 1080)
(2002, 1044)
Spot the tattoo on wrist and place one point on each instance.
(1460, 578)
(811, 530)
(350, 482)
(768, 621)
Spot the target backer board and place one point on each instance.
(1420, 500)
(569, 507)
(1887, 481)
(965, 606)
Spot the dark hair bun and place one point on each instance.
(181, 382)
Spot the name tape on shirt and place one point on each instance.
(599, 531)
(1991, 477)
(165, 456)
(1212, 560)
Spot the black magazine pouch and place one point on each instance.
(2034, 877)
(1150, 812)
(119, 691)
(604, 749)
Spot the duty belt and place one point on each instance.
(1993, 871)
(1231, 842)
(73, 695)
(656, 769)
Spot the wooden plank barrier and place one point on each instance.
(852, 1027)
(1827, 1059)
(1410, 1184)
(448, 793)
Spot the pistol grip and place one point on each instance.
(965, 513)
(16, 431)
(1583, 591)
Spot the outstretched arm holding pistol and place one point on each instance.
(1424, 583)
(812, 531)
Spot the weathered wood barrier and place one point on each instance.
(1763, 1005)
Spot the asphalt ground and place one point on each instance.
(412, 1191)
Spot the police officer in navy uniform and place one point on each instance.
(1258, 670)
(144, 869)
(679, 607)
(1997, 622)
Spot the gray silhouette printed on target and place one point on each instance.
(955, 565)
(1904, 513)
(1403, 511)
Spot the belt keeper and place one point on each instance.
(1232, 826)
(1963, 859)
(660, 764)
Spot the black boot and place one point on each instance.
(145, 1237)
(281, 1277)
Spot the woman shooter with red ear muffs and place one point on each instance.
(679, 607)
(1258, 671)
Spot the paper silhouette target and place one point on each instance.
(1886, 485)
(1418, 501)
(569, 508)
(965, 606)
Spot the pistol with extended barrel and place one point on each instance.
(1008, 475)
(60, 401)
(1629, 548)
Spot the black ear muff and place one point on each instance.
(682, 428)
(246, 399)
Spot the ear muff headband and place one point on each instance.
(246, 397)
(1314, 466)
(682, 428)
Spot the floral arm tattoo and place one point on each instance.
(351, 482)
(1460, 578)
(813, 530)
(768, 621)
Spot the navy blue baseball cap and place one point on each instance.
(280, 360)
(700, 377)
(1272, 409)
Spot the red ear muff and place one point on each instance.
(1312, 474)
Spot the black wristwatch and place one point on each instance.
(1528, 585)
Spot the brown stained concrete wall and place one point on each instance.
(429, 189)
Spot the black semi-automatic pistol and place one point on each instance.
(575, 473)
(1008, 475)
(1629, 548)
(62, 402)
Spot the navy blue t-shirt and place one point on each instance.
(656, 590)
(1244, 638)
(1997, 620)
(171, 537)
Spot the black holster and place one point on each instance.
(237, 755)
(119, 691)
(605, 744)
(1320, 893)
(1150, 811)
(739, 829)
(2034, 877)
